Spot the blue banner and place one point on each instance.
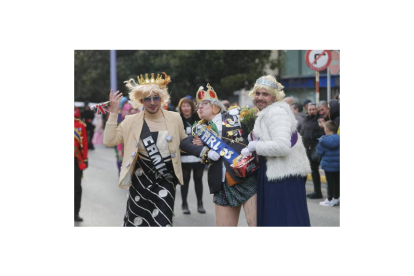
(215, 143)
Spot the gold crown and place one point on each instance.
(161, 82)
(206, 95)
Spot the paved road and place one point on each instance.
(103, 202)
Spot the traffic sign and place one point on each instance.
(318, 60)
(334, 66)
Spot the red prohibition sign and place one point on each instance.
(315, 62)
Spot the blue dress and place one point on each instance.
(281, 202)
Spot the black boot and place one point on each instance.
(78, 218)
(200, 208)
(316, 195)
(185, 208)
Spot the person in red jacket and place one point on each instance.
(81, 159)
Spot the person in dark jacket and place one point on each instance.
(328, 149)
(187, 110)
(328, 112)
(334, 111)
(310, 132)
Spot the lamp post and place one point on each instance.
(112, 66)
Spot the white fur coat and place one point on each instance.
(274, 126)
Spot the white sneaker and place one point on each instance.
(334, 202)
(325, 203)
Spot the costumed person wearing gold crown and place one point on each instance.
(151, 166)
(284, 166)
(218, 139)
(81, 159)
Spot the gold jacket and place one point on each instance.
(129, 132)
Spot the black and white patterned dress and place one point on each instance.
(151, 197)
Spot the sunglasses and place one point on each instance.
(156, 99)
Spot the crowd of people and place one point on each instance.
(319, 127)
(157, 147)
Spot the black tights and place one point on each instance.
(316, 177)
(198, 181)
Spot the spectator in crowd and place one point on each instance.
(328, 112)
(226, 104)
(289, 101)
(305, 105)
(87, 116)
(310, 132)
(169, 106)
(300, 116)
(134, 111)
(81, 159)
(328, 149)
(323, 111)
(98, 133)
(187, 110)
(334, 111)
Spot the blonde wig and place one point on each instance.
(271, 85)
(139, 92)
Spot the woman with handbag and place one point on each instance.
(227, 137)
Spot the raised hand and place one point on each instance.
(114, 100)
(321, 122)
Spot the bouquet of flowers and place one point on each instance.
(248, 117)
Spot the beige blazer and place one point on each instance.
(129, 132)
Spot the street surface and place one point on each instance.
(103, 202)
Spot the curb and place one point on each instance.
(323, 179)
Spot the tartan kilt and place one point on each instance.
(237, 194)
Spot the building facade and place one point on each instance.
(299, 80)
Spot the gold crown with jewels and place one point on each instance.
(161, 82)
(206, 95)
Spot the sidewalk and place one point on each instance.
(104, 203)
(322, 173)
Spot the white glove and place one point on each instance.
(252, 145)
(213, 155)
(245, 152)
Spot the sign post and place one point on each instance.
(328, 84)
(318, 60)
(317, 85)
(334, 65)
(333, 68)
